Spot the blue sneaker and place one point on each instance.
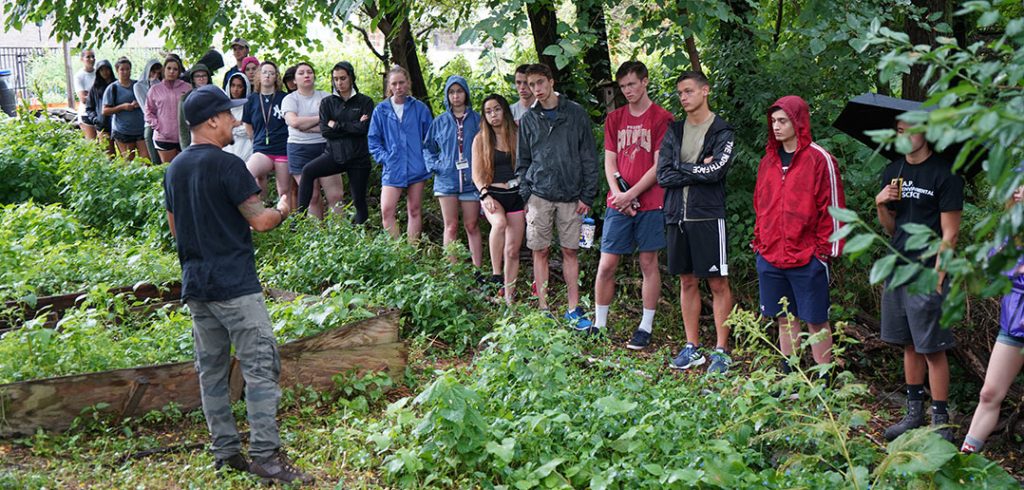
(720, 362)
(641, 339)
(577, 320)
(689, 357)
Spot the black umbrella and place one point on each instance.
(868, 112)
(213, 60)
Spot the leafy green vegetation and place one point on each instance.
(47, 251)
(106, 332)
(499, 397)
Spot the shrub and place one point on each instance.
(31, 154)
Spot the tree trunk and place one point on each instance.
(915, 87)
(597, 57)
(402, 47)
(544, 25)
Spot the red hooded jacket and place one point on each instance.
(792, 220)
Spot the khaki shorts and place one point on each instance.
(541, 214)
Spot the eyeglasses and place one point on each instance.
(492, 112)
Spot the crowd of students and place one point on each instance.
(531, 168)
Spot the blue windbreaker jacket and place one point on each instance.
(441, 147)
(398, 145)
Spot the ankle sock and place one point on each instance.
(940, 407)
(971, 445)
(915, 392)
(647, 321)
(601, 315)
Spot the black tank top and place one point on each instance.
(503, 171)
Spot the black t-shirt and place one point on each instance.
(929, 189)
(785, 157)
(203, 187)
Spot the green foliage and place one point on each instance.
(47, 251)
(437, 301)
(528, 414)
(114, 196)
(107, 332)
(47, 162)
(31, 156)
(973, 96)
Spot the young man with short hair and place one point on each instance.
(239, 49)
(920, 188)
(213, 204)
(526, 98)
(797, 181)
(633, 220)
(557, 173)
(692, 165)
(84, 79)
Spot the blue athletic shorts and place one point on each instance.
(806, 287)
(299, 155)
(622, 235)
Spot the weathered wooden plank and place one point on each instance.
(54, 306)
(52, 403)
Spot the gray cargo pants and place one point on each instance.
(245, 323)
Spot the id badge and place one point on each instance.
(462, 165)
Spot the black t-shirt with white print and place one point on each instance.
(929, 189)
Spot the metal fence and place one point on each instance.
(16, 60)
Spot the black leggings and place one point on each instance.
(324, 166)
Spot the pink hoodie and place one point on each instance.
(162, 109)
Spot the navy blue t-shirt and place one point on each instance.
(203, 187)
(269, 131)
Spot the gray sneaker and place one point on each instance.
(689, 357)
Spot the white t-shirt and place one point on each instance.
(399, 108)
(84, 80)
(303, 106)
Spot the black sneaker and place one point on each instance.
(235, 462)
(641, 339)
(277, 467)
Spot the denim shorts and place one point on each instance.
(1010, 340)
(622, 234)
(299, 155)
(468, 196)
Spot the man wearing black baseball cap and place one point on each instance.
(213, 205)
(239, 49)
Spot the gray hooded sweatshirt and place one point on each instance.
(142, 86)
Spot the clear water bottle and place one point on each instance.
(587, 230)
